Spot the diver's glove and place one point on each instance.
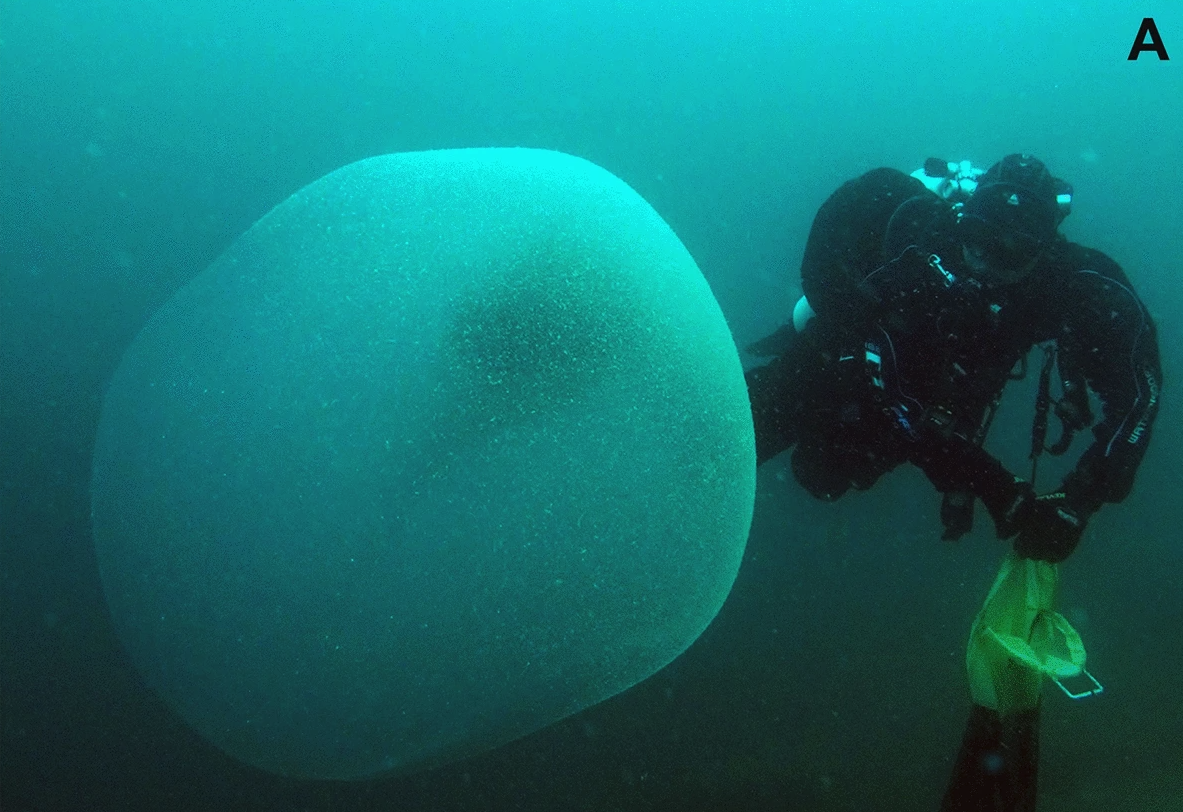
(1051, 528)
(957, 514)
(960, 470)
(1009, 500)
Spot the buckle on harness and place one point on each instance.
(934, 262)
(873, 359)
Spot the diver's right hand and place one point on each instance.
(957, 514)
(1009, 503)
(955, 465)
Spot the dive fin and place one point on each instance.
(998, 764)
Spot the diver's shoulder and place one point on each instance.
(1087, 265)
(1091, 278)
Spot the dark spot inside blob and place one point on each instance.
(538, 334)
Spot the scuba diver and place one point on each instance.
(923, 294)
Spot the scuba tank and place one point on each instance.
(949, 180)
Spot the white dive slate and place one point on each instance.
(448, 446)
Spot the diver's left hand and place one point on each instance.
(1051, 528)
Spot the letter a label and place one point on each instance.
(1148, 29)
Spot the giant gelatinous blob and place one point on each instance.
(448, 446)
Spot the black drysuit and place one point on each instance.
(908, 352)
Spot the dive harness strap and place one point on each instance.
(1072, 409)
